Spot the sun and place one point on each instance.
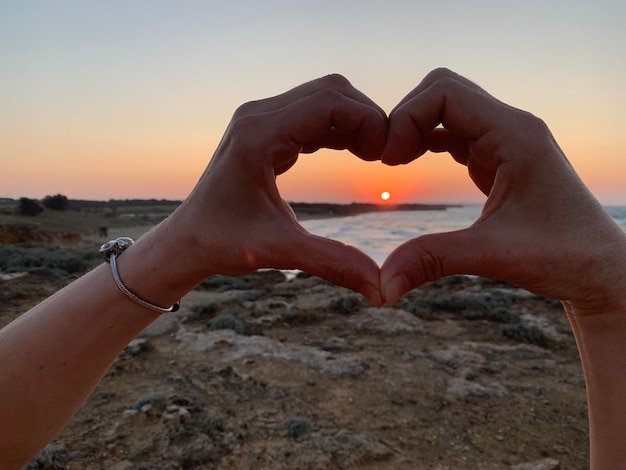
(385, 195)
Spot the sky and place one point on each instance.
(116, 100)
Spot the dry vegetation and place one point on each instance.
(266, 372)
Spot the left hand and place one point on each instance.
(240, 222)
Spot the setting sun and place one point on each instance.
(385, 195)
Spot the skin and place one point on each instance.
(540, 229)
(233, 222)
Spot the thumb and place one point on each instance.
(338, 263)
(430, 257)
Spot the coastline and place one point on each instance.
(327, 210)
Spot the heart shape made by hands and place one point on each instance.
(523, 235)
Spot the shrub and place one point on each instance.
(345, 304)
(204, 310)
(43, 259)
(525, 333)
(212, 423)
(497, 315)
(298, 316)
(52, 457)
(57, 202)
(29, 207)
(229, 320)
(298, 427)
(420, 307)
(483, 306)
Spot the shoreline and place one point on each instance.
(327, 210)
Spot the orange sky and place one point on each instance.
(119, 100)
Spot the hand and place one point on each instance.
(242, 222)
(540, 227)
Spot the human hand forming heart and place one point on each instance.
(540, 227)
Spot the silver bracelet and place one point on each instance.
(110, 251)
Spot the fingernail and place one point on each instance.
(395, 289)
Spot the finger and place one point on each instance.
(332, 81)
(441, 140)
(334, 261)
(433, 77)
(326, 118)
(338, 140)
(464, 111)
(430, 257)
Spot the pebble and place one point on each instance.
(544, 464)
(123, 465)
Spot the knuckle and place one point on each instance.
(327, 95)
(241, 125)
(335, 80)
(244, 109)
(440, 73)
(529, 123)
(251, 107)
(447, 83)
(244, 133)
(535, 122)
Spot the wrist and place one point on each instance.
(162, 266)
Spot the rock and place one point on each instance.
(387, 320)
(356, 448)
(545, 464)
(123, 465)
(461, 387)
(465, 362)
(175, 412)
(229, 346)
(137, 346)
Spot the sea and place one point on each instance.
(377, 234)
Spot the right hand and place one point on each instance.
(540, 228)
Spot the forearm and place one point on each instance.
(601, 340)
(54, 355)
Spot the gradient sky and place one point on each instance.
(115, 99)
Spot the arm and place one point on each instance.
(540, 229)
(233, 222)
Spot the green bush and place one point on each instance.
(482, 306)
(345, 305)
(229, 320)
(496, 315)
(298, 427)
(525, 333)
(212, 423)
(48, 260)
(52, 457)
(29, 207)
(297, 316)
(204, 311)
(58, 202)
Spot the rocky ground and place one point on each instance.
(265, 372)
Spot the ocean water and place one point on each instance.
(377, 234)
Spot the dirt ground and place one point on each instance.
(265, 372)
